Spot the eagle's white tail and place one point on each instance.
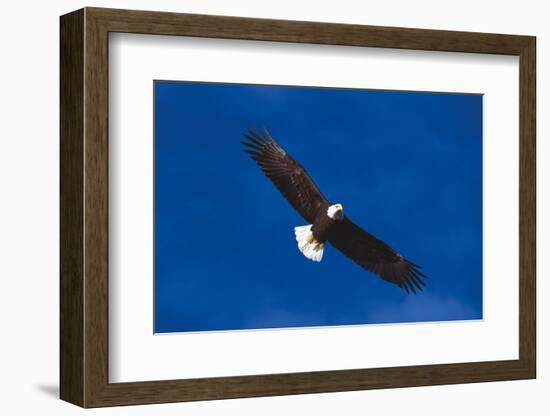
(308, 245)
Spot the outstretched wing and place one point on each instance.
(376, 256)
(287, 175)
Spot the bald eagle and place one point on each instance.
(326, 221)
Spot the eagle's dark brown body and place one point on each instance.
(291, 179)
(323, 225)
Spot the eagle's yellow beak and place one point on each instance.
(339, 207)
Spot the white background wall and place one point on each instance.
(29, 207)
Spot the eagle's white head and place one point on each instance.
(336, 212)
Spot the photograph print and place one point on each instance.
(295, 207)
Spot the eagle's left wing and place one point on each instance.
(376, 256)
(288, 176)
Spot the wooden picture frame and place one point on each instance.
(84, 207)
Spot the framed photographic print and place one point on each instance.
(255, 207)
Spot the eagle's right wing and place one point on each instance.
(287, 175)
(376, 256)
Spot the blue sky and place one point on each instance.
(407, 166)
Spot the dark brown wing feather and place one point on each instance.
(287, 175)
(376, 256)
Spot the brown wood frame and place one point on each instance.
(84, 207)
